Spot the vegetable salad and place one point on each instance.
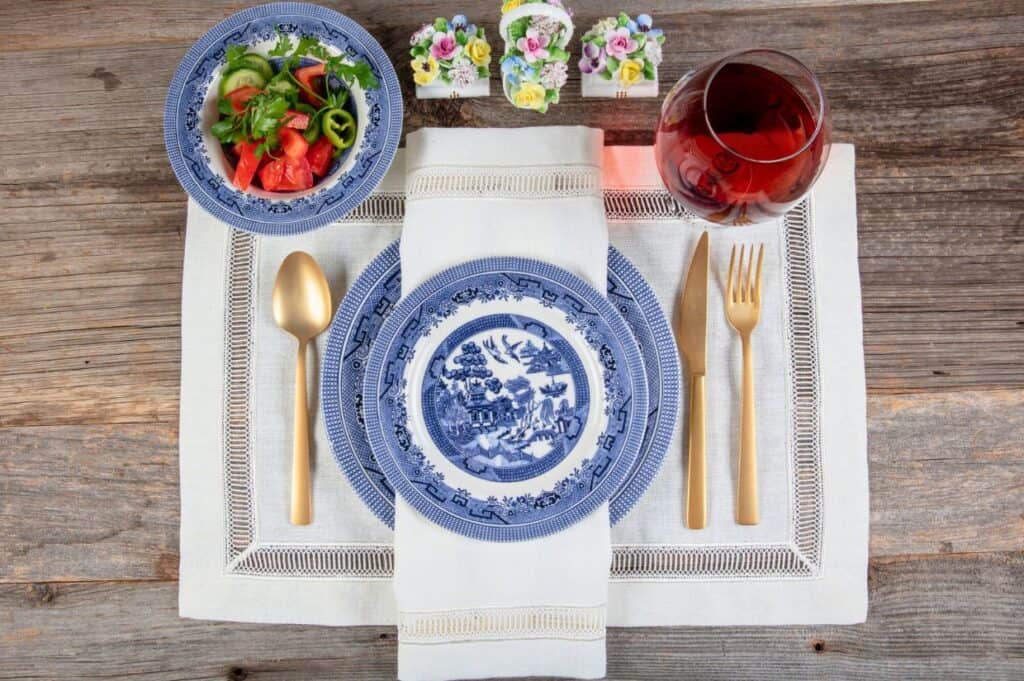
(283, 117)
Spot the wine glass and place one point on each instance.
(742, 138)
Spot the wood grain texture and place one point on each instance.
(962, 626)
(945, 473)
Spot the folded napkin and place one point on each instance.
(470, 608)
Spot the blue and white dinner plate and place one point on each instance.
(373, 297)
(191, 109)
(505, 399)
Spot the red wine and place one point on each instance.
(755, 152)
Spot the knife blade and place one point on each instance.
(693, 335)
(693, 339)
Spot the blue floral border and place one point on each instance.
(371, 299)
(190, 159)
(527, 516)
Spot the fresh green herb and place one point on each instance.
(234, 55)
(283, 47)
(265, 113)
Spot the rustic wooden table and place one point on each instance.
(91, 238)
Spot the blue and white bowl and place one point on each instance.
(197, 157)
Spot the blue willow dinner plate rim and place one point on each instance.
(663, 353)
(389, 85)
(593, 496)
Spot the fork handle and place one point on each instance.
(746, 502)
(696, 475)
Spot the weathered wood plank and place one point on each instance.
(135, 21)
(945, 471)
(965, 625)
(89, 502)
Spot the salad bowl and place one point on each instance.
(203, 161)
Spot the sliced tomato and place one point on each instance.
(293, 144)
(247, 164)
(319, 156)
(239, 97)
(296, 119)
(298, 176)
(271, 175)
(312, 78)
(287, 175)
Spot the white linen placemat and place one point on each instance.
(469, 608)
(805, 564)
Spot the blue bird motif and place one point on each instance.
(510, 348)
(492, 349)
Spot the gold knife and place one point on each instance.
(693, 341)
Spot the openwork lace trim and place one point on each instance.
(533, 622)
(378, 208)
(669, 562)
(357, 561)
(503, 183)
(798, 558)
(808, 525)
(629, 205)
(237, 377)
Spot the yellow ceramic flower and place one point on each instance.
(479, 52)
(529, 96)
(510, 5)
(424, 70)
(631, 71)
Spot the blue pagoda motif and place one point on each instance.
(506, 403)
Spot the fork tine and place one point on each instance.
(757, 283)
(750, 276)
(728, 286)
(740, 289)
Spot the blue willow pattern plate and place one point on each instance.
(191, 108)
(506, 399)
(372, 298)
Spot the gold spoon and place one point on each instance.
(302, 307)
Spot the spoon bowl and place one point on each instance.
(302, 298)
(302, 307)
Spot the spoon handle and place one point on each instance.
(302, 505)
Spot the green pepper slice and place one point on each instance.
(339, 127)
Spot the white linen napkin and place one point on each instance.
(469, 608)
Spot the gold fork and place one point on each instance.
(743, 309)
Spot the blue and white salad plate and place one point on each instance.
(191, 109)
(513, 446)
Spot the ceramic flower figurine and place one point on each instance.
(621, 57)
(450, 59)
(535, 64)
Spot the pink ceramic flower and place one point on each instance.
(618, 43)
(444, 46)
(533, 45)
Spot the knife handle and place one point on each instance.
(696, 478)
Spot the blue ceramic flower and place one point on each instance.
(644, 24)
(514, 68)
(459, 22)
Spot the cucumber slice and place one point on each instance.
(281, 86)
(258, 63)
(241, 78)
